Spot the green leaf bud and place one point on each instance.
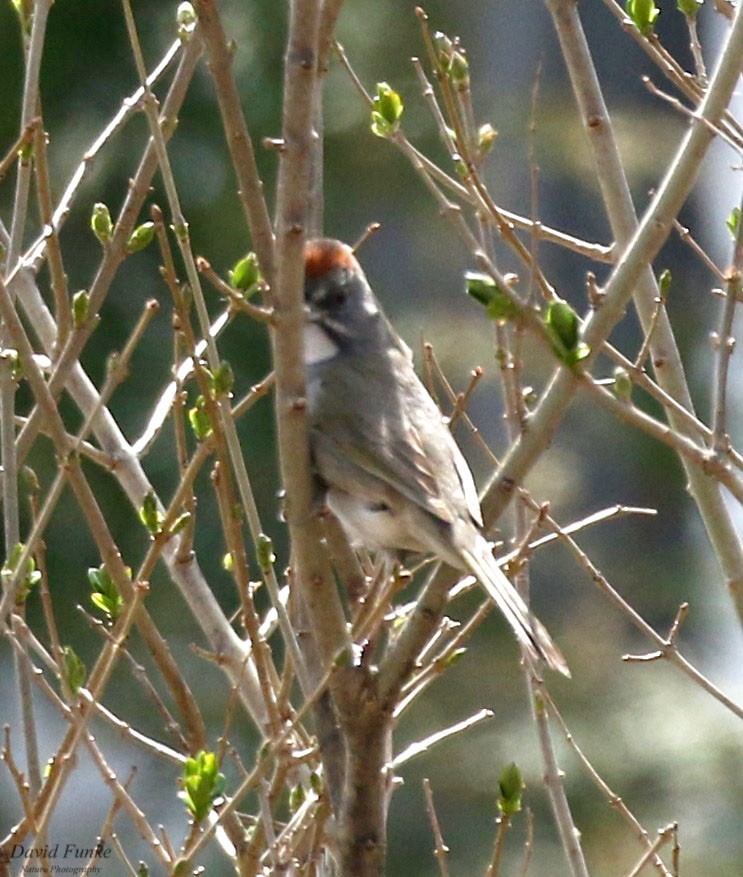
(454, 658)
(246, 275)
(689, 7)
(179, 523)
(444, 48)
(100, 222)
(622, 387)
(73, 669)
(150, 515)
(459, 70)
(664, 284)
(80, 308)
(486, 135)
(199, 420)
(25, 152)
(511, 786)
(105, 595)
(140, 237)
(563, 327)
(13, 361)
(297, 797)
(485, 290)
(180, 230)
(386, 111)
(733, 222)
(264, 552)
(564, 321)
(185, 19)
(222, 380)
(643, 14)
(202, 784)
(29, 576)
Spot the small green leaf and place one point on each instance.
(199, 420)
(140, 237)
(73, 669)
(105, 595)
(246, 275)
(511, 786)
(485, 290)
(643, 14)
(202, 784)
(100, 222)
(80, 308)
(150, 515)
(733, 222)
(228, 562)
(386, 111)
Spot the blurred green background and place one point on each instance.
(671, 752)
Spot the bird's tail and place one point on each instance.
(530, 632)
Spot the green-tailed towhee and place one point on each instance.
(382, 453)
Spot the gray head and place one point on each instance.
(339, 299)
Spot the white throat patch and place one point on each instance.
(318, 347)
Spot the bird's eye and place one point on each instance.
(336, 297)
(333, 297)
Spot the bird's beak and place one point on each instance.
(311, 315)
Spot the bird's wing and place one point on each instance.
(397, 437)
(438, 447)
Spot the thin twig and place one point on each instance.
(725, 343)
(440, 850)
(425, 745)
(238, 136)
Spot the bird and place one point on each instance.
(383, 458)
